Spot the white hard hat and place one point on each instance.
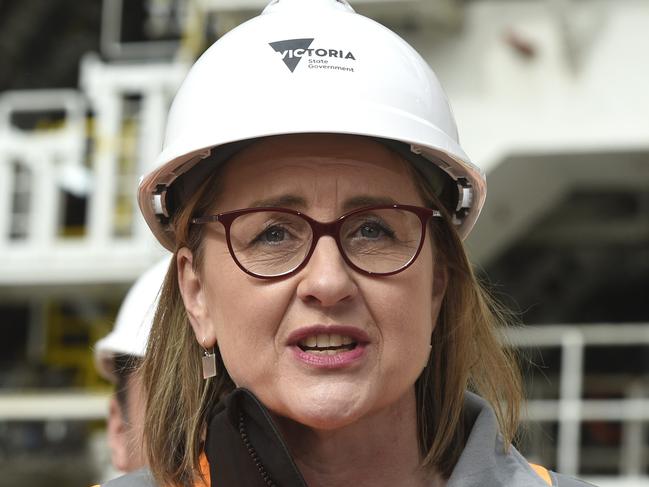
(308, 66)
(134, 320)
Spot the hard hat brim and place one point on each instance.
(367, 120)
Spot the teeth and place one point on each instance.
(326, 351)
(323, 341)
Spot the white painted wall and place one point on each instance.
(584, 90)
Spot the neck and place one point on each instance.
(377, 450)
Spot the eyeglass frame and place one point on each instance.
(320, 229)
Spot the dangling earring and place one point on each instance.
(209, 362)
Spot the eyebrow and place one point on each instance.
(284, 201)
(294, 201)
(366, 200)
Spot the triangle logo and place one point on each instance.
(288, 50)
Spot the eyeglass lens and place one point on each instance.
(269, 243)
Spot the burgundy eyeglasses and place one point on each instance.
(276, 242)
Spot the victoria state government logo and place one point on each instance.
(293, 50)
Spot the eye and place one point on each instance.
(372, 230)
(272, 235)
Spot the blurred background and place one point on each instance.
(551, 98)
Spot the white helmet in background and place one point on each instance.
(308, 66)
(134, 320)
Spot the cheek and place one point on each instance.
(404, 311)
(243, 333)
(245, 314)
(410, 316)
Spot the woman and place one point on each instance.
(314, 194)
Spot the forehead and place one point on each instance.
(322, 170)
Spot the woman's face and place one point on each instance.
(260, 325)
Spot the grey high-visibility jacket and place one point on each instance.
(483, 463)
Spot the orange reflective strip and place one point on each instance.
(542, 472)
(205, 470)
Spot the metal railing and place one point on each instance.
(570, 409)
(82, 154)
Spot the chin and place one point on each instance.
(327, 420)
(325, 408)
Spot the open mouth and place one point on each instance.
(327, 344)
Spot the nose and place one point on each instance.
(326, 279)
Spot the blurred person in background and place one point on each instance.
(320, 323)
(117, 357)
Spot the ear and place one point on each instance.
(193, 294)
(116, 430)
(440, 281)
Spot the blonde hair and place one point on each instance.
(467, 353)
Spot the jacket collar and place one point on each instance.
(484, 461)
